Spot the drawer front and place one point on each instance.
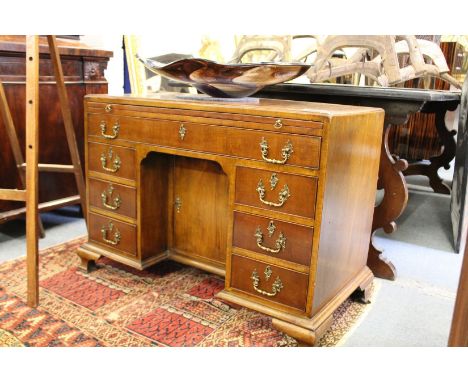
(111, 160)
(261, 122)
(114, 128)
(296, 150)
(276, 191)
(287, 149)
(269, 282)
(113, 233)
(291, 242)
(112, 197)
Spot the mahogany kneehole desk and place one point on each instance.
(277, 196)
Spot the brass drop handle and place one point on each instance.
(282, 196)
(275, 288)
(278, 124)
(108, 108)
(109, 228)
(115, 160)
(280, 243)
(286, 152)
(115, 130)
(116, 203)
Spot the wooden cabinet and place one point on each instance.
(83, 69)
(277, 196)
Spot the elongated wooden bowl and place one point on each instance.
(226, 80)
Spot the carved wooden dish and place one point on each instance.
(226, 80)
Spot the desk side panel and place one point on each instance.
(348, 205)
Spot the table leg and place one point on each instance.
(447, 138)
(392, 181)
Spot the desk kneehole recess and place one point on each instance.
(283, 213)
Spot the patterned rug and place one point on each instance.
(166, 305)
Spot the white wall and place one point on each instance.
(114, 72)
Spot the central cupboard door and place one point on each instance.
(200, 213)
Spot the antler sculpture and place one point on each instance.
(377, 57)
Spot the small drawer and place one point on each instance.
(105, 126)
(269, 282)
(113, 233)
(111, 160)
(282, 149)
(287, 241)
(114, 127)
(276, 191)
(112, 197)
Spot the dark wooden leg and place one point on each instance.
(392, 181)
(430, 169)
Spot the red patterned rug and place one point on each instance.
(166, 305)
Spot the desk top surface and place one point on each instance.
(253, 106)
(384, 93)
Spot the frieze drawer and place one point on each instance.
(269, 282)
(269, 147)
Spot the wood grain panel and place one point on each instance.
(154, 196)
(127, 196)
(302, 191)
(200, 226)
(348, 202)
(126, 156)
(127, 243)
(298, 248)
(293, 293)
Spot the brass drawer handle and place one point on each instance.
(286, 152)
(283, 195)
(280, 243)
(115, 130)
(116, 162)
(278, 124)
(108, 108)
(107, 194)
(275, 288)
(110, 227)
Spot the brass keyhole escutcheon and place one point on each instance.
(178, 204)
(182, 131)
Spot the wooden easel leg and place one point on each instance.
(32, 173)
(14, 143)
(68, 121)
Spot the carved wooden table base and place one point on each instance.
(447, 138)
(392, 181)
